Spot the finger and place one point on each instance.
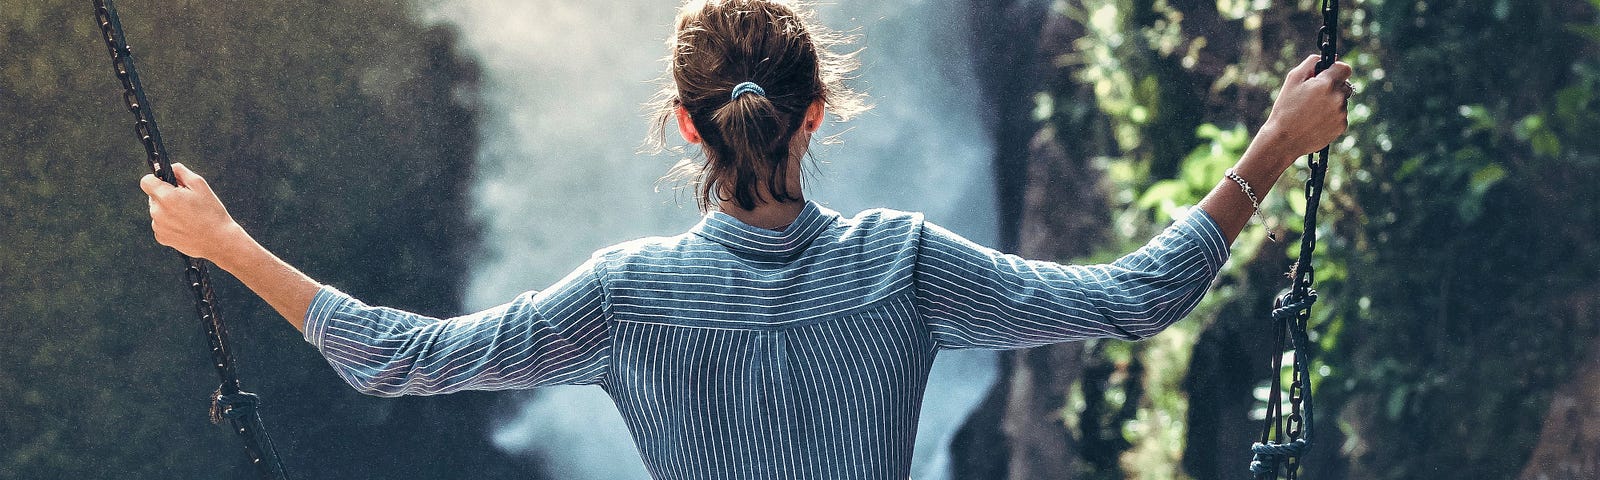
(1337, 73)
(156, 215)
(1306, 69)
(153, 186)
(188, 178)
(161, 236)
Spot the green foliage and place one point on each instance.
(1450, 275)
(334, 133)
(1129, 55)
(1458, 224)
(1156, 430)
(1167, 198)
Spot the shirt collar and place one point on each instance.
(738, 236)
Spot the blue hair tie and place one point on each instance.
(747, 87)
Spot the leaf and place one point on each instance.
(1546, 143)
(1397, 403)
(1534, 130)
(1592, 32)
(1482, 121)
(1162, 191)
(1487, 177)
(1044, 106)
(1235, 140)
(1572, 102)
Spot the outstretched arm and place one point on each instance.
(557, 336)
(191, 219)
(1309, 114)
(976, 297)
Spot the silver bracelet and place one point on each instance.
(1255, 203)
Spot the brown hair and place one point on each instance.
(719, 44)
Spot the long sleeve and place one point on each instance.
(557, 336)
(972, 296)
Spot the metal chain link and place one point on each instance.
(228, 401)
(1285, 438)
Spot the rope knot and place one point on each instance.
(232, 405)
(1286, 308)
(1268, 455)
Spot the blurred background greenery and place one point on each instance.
(1459, 265)
(101, 376)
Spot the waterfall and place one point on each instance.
(559, 176)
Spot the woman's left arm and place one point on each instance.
(973, 296)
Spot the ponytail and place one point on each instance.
(747, 71)
(752, 144)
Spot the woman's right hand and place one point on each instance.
(1310, 111)
(189, 217)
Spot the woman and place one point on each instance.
(774, 339)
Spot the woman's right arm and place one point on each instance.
(190, 218)
(558, 336)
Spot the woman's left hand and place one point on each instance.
(189, 217)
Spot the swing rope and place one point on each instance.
(228, 402)
(1285, 438)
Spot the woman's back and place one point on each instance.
(738, 352)
(741, 352)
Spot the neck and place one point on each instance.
(769, 215)
(772, 215)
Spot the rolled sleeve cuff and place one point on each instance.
(1199, 227)
(327, 301)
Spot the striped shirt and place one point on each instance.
(743, 353)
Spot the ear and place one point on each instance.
(814, 116)
(686, 126)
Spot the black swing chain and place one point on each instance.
(1285, 438)
(228, 402)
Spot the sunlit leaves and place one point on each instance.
(1199, 173)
